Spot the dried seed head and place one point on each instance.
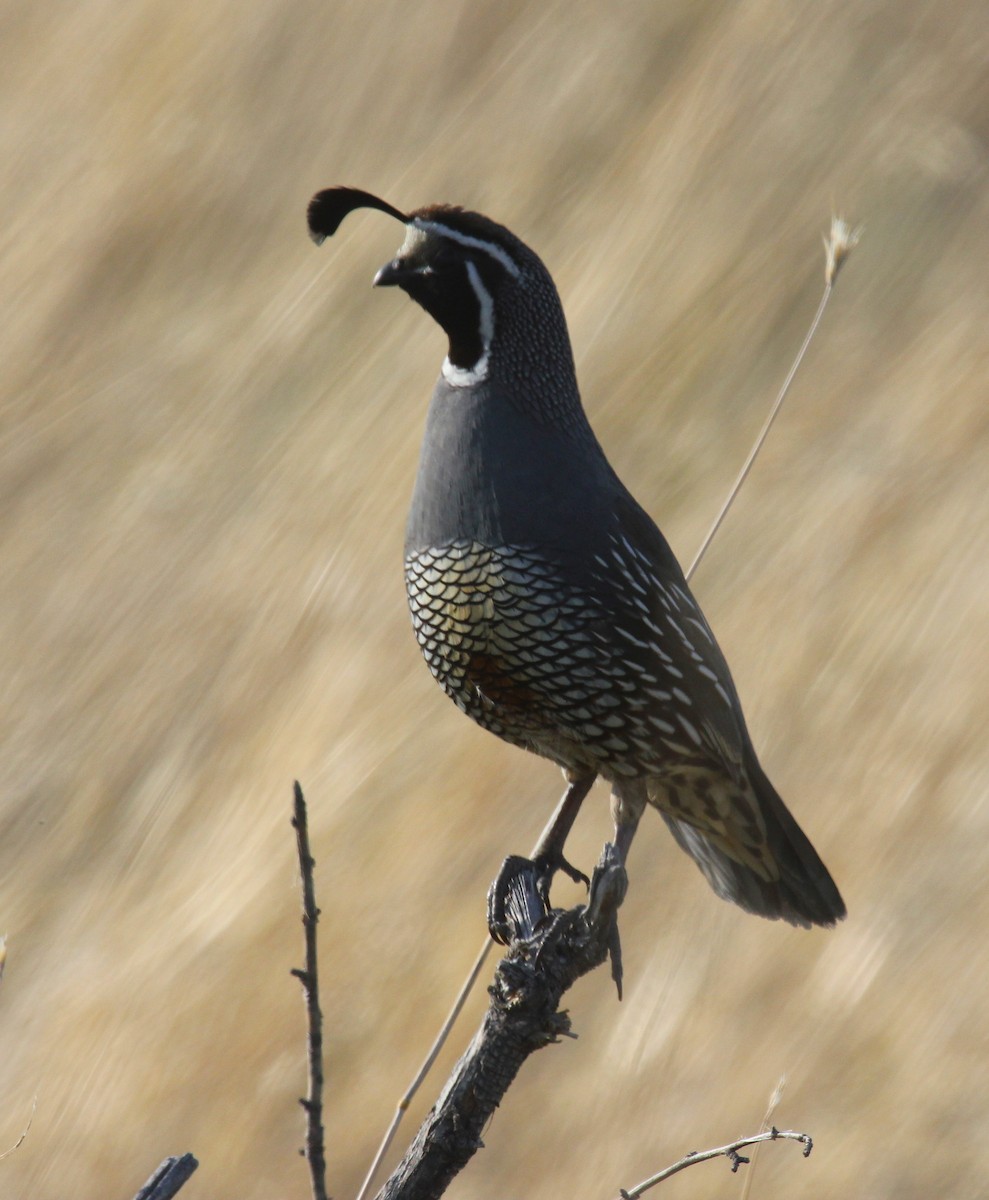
(841, 241)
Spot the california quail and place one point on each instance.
(544, 599)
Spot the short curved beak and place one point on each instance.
(393, 274)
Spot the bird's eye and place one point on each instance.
(444, 257)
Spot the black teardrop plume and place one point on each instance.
(329, 207)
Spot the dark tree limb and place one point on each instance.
(168, 1179)
(549, 953)
(315, 1152)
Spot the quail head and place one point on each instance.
(546, 603)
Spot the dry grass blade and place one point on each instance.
(837, 247)
(27, 1128)
(767, 1123)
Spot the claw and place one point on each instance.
(615, 955)
(547, 864)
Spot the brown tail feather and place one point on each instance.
(804, 894)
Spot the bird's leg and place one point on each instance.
(609, 884)
(522, 885)
(628, 803)
(548, 854)
(609, 881)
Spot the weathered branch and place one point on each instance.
(315, 1152)
(168, 1179)
(523, 1016)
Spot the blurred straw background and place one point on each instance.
(209, 432)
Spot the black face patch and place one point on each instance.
(448, 295)
(456, 285)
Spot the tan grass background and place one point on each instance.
(209, 431)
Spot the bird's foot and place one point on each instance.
(515, 901)
(519, 914)
(518, 900)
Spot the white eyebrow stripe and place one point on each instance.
(496, 252)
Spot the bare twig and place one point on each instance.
(523, 1015)
(27, 1127)
(731, 1152)
(170, 1177)
(315, 1153)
